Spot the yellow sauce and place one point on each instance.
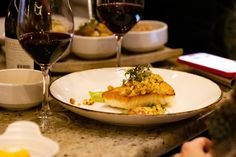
(18, 153)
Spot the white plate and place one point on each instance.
(2, 30)
(194, 94)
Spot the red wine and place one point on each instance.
(45, 47)
(119, 17)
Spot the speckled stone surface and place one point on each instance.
(89, 138)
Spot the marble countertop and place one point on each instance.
(85, 137)
(89, 138)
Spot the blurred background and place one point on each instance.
(202, 25)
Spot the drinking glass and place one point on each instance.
(119, 16)
(45, 30)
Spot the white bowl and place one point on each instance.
(145, 41)
(20, 88)
(77, 22)
(26, 135)
(94, 47)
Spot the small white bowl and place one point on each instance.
(146, 41)
(90, 47)
(26, 135)
(20, 88)
(94, 47)
(77, 22)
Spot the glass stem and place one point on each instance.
(90, 9)
(45, 111)
(119, 39)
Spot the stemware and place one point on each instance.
(45, 30)
(90, 8)
(119, 16)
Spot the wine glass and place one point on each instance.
(119, 16)
(45, 30)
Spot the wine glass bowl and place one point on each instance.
(45, 30)
(119, 16)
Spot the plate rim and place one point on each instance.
(123, 114)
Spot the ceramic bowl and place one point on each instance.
(77, 22)
(20, 88)
(26, 135)
(94, 47)
(146, 40)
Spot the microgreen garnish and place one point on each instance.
(139, 73)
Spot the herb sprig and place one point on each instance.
(139, 73)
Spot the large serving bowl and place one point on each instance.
(20, 88)
(150, 36)
(94, 47)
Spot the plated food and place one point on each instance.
(142, 91)
(185, 103)
(142, 26)
(93, 28)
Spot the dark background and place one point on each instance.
(194, 25)
(3, 7)
(197, 25)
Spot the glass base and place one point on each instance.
(52, 122)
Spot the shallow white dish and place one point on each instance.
(26, 135)
(194, 94)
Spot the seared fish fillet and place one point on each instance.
(135, 94)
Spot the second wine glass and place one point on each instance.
(119, 16)
(45, 30)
